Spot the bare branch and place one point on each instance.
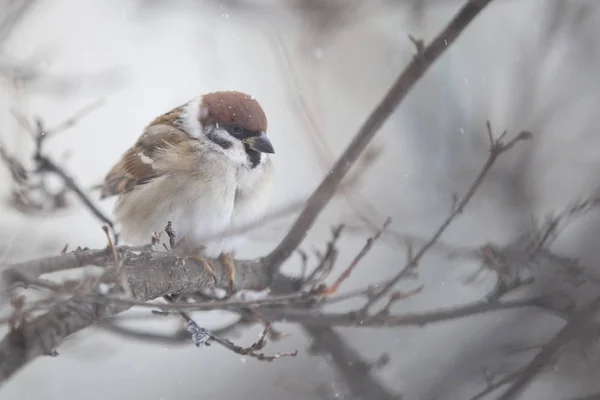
(327, 260)
(14, 16)
(356, 373)
(202, 337)
(149, 275)
(494, 386)
(407, 79)
(75, 259)
(182, 336)
(252, 350)
(497, 147)
(359, 205)
(294, 299)
(363, 252)
(356, 319)
(74, 119)
(576, 323)
(45, 163)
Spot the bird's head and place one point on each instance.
(231, 122)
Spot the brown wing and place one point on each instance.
(137, 166)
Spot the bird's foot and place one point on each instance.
(227, 260)
(205, 262)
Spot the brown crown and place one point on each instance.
(232, 108)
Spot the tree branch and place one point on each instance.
(405, 82)
(497, 147)
(356, 373)
(357, 319)
(72, 260)
(149, 275)
(575, 324)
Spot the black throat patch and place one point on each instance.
(253, 156)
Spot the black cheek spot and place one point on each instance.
(225, 144)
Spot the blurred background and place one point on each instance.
(319, 67)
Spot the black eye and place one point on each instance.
(237, 129)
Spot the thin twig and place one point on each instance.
(74, 119)
(180, 337)
(253, 349)
(202, 337)
(493, 386)
(363, 252)
(359, 205)
(356, 319)
(356, 373)
(13, 17)
(327, 260)
(399, 296)
(551, 226)
(45, 164)
(575, 324)
(497, 147)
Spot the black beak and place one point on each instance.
(260, 143)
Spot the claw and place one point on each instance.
(227, 260)
(207, 266)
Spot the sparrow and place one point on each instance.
(204, 166)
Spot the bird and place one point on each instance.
(206, 167)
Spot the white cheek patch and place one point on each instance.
(203, 112)
(189, 117)
(144, 158)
